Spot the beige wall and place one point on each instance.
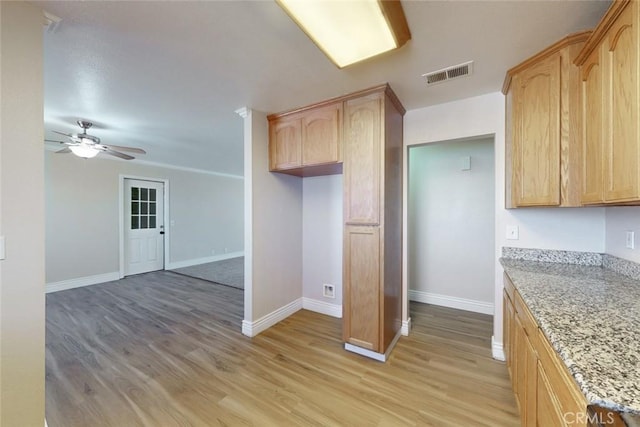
(273, 274)
(82, 214)
(451, 215)
(322, 237)
(21, 216)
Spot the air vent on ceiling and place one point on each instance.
(449, 73)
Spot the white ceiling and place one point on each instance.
(168, 76)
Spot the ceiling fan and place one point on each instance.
(88, 146)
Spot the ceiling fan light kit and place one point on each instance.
(84, 151)
(350, 31)
(88, 146)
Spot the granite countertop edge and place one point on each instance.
(587, 269)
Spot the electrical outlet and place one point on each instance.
(631, 240)
(328, 291)
(512, 232)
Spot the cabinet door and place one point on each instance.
(592, 141)
(507, 332)
(531, 366)
(321, 135)
(520, 365)
(285, 143)
(622, 147)
(361, 281)
(548, 409)
(362, 160)
(536, 138)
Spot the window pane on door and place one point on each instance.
(135, 209)
(135, 193)
(152, 194)
(134, 222)
(143, 222)
(152, 221)
(144, 208)
(144, 194)
(152, 208)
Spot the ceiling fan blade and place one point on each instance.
(130, 149)
(63, 151)
(118, 154)
(62, 133)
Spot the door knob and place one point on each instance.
(162, 232)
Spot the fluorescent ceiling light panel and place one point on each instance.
(349, 31)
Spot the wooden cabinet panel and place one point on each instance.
(520, 368)
(622, 148)
(362, 287)
(322, 135)
(548, 409)
(362, 160)
(531, 367)
(544, 127)
(507, 332)
(285, 144)
(536, 138)
(592, 142)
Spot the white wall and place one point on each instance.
(619, 220)
(22, 320)
(451, 223)
(322, 237)
(551, 228)
(82, 214)
(273, 230)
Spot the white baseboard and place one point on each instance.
(380, 357)
(322, 307)
(451, 302)
(406, 327)
(497, 350)
(251, 329)
(81, 281)
(196, 261)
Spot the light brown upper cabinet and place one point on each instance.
(362, 174)
(610, 66)
(592, 147)
(307, 142)
(285, 143)
(543, 120)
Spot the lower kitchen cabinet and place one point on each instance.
(545, 392)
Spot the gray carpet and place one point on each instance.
(229, 272)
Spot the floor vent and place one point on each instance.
(449, 73)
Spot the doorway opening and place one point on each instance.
(144, 211)
(451, 224)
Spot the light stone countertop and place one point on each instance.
(591, 316)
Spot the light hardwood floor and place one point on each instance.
(161, 349)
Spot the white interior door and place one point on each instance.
(144, 226)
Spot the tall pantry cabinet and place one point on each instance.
(369, 143)
(372, 221)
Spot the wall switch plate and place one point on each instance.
(513, 233)
(465, 163)
(328, 291)
(3, 254)
(631, 240)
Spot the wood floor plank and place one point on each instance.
(161, 349)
